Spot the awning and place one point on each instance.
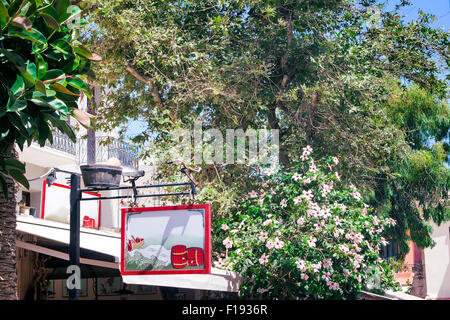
(102, 249)
(218, 280)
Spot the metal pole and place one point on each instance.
(74, 245)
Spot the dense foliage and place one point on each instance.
(304, 235)
(42, 71)
(346, 77)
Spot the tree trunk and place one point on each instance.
(8, 271)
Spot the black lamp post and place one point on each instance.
(74, 245)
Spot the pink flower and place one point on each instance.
(267, 222)
(264, 259)
(301, 264)
(263, 236)
(278, 243)
(227, 243)
(297, 176)
(304, 276)
(312, 242)
(307, 194)
(224, 227)
(270, 244)
(327, 263)
(253, 194)
(336, 160)
(300, 221)
(307, 150)
(333, 285)
(297, 200)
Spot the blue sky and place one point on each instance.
(439, 8)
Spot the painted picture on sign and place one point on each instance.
(166, 240)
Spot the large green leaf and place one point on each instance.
(79, 84)
(32, 35)
(51, 102)
(18, 105)
(63, 127)
(19, 177)
(4, 16)
(51, 22)
(42, 65)
(18, 85)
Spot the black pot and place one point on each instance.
(101, 175)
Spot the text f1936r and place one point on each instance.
(257, 309)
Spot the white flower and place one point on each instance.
(278, 243)
(313, 168)
(270, 244)
(264, 259)
(338, 176)
(327, 263)
(297, 176)
(307, 181)
(263, 236)
(317, 266)
(335, 160)
(283, 203)
(267, 222)
(300, 221)
(343, 248)
(227, 243)
(224, 227)
(304, 156)
(253, 194)
(307, 150)
(297, 200)
(384, 242)
(307, 194)
(333, 285)
(301, 264)
(312, 242)
(218, 263)
(269, 171)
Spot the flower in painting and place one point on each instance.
(270, 244)
(224, 227)
(313, 168)
(267, 222)
(264, 259)
(301, 221)
(227, 243)
(335, 160)
(297, 200)
(253, 194)
(218, 263)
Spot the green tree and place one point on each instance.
(322, 72)
(42, 72)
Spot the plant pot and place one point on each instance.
(101, 175)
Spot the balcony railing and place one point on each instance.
(105, 148)
(62, 142)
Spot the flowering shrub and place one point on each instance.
(304, 235)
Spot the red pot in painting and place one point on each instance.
(179, 256)
(130, 247)
(195, 256)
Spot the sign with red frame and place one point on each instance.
(55, 205)
(166, 240)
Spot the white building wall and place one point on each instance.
(437, 263)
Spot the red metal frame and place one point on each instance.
(44, 188)
(207, 251)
